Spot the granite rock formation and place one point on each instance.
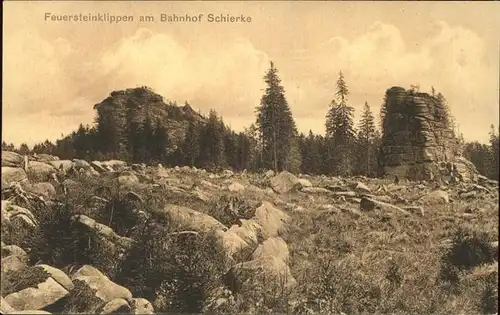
(417, 141)
(125, 108)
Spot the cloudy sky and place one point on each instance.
(54, 72)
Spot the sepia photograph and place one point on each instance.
(250, 157)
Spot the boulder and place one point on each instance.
(269, 174)
(231, 242)
(12, 213)
(13, 263)
(58, 275)
(273, 221)
(236, 187)
(249, 231)
(39, 172)
(45, 190)
(274, 247)
(15, 250)
(79, 164)
(316, 190)
(127, 179)
(102, 231)
(285, 182)
(188, 219)
(141, 306)
(13, 175)
(361, 188)
(305, 183)
(115, 165)
(106, 289)
(99, 167)
(12, 159)
(435, 197)
(61, 165)
(45, 294)
(5, 307)
(45, 158)
(268, 272)
(116, 306)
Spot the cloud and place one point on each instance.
(53, 85)
(452, 59)
(227, 78)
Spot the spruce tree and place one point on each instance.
(340, 130)
(367, 134)
(276, 125)
(212, 143)
(190, 148)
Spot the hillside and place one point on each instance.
(108, 236)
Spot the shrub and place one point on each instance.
(81, 299)
(15, 281)
(53, 242)
(469, 249)
(179, 272)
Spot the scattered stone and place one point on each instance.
(246, 276)
(269, 174)
(39, 172)
(285, 182)
(437, 196)
(106, 289)
(141, 306)
(13, 175)
(61, 165)
(305, 183)
(11, 159)
(316, 190)
(5, 307)
(45, 190)
(15, 251)
(13, 263)
(78, 164)
(248, 230)
(274, 222)
(369, 204)
(189, 219)
(102, 231)
(117, 305)
(274, 247)
(45, 294)
(361, 188)
(58, 275)
(236, 187)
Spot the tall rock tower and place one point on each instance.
(417, 141)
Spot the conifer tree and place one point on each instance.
(190, 148)
(212, 143)
(367, 135)
(340, 130)
(276, 125)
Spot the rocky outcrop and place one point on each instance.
(12, 159)
(417, 139)
(134, 106)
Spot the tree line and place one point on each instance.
(272, 142)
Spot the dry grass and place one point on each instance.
(344, 260)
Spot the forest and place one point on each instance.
(272, 142)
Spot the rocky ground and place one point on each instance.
(107, 237)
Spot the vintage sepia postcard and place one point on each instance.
(250, 157)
